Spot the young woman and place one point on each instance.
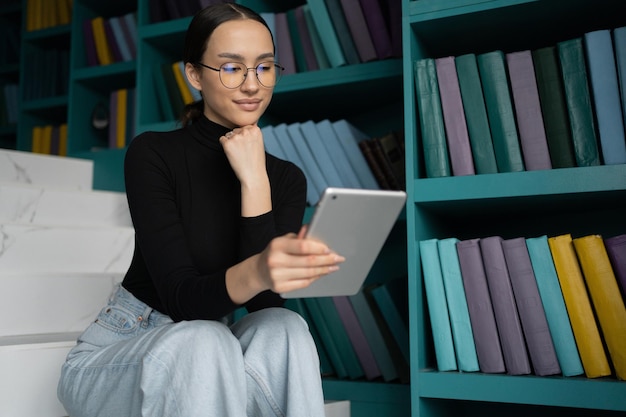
(218, 226)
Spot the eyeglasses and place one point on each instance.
(233, 74)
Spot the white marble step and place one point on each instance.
(52, 303)
(30, 369)
(32, 249)
(48, 170)
(38, 204)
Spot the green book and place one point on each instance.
(492, 69)
(553, 107)
(578, 99)
(476, 114)
(296, 42)
(327, 32)
(432, 128)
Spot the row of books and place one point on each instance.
(330, 155)
(323, 34)
(362, 336)
(110, 40)
(552, 107)
(173, 89)
(47, 73)
(9, 42)
(541, 305)
(42, 14)
(121, 129)
(9, 104)
(50, 139)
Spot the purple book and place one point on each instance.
(532, 133)
(90, 44)
(504, 306)
(529, 305)
(377, 28)
(457, 134)
(616, 249)
(305, 39)
(488, 348)
(357, 337)
(356, 23)
(283, 44)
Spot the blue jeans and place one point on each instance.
(134, 361)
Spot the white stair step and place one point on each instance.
(49, 170)
(31, 367)
(37, 204)
(27, 249)
(38, 303)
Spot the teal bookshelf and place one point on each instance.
(570, 200)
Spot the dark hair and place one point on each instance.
(198, 33)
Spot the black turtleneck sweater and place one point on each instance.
(184, 201)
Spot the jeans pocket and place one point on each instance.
(118, 319)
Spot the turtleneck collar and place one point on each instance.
(207, 132)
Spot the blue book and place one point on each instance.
(327, 33)
(460, 323)
(291, 154)
(554, 306)
(307, 158)
(120, 39)
(437, 305)
(339, 157)
(393, 317)
(349, 138)
(272, 146)
(323, 158)
(129, 26)
(619, 40)
(606, 95)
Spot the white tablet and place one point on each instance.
(354, 223)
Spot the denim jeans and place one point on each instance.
(134, 361)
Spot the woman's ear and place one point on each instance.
(193, 76)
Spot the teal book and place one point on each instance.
(554, 306)
(340, 158)
(553, 107)
(495, 82)
(326, 336)
(271, 142)
(432, 128)
(330, 316)
(476, 114)
(619, 41)
(606, 95)
(305, 38)
(316, 41)
(392, 312)
(349, 138)
(327, 32)
(374, 336)
(462, 333)
(578, 99)
(437, 305)
(340, 24)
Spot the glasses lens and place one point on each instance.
(268, 73)
(232, 74)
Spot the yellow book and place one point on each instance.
(182, 84)
(64, 12)
(105, 57)
(63, 139)
(37, 132)
(46, 139)
(31, 17)
(605, 296)
(122, 100)
(578, 307)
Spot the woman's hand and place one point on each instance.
(288, 263)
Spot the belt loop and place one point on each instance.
(145, 316)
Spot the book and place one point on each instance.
(393, 179)
(129, 27)
(553, 107)
(91, 55)
(584, 326)
(113, 119)
(323, 158)
(183, 87)
(316, 41)
(619, 42)
(377, 27)
(112, 42)
(356, 24)
(195, 94)
(368, 151)
(605, 296)
(122, 116)
(284, 46)
(493, 75)
(432, 130)
(532, 133)
(465, 350)
(298, 49)
(554, 306)
(305, 38)
(475, 114)
(271, 142)
(616, 249)
(392, 312)
(606, 95)
(485, 332)
(437, 305)
(327, 32)
(357, 337)
(349, 137)
(457, 136)
(530, 308)
(504, 306)
(120, 39)
(103, 51)
(163, 98)
(392, 147)
(578, 99)
(338, 19)
(374, 336)
(340, 158)
(306, 156)
(173, 92)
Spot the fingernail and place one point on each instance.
(333, 268)
(339, 258)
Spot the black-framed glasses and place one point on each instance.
(233, 74)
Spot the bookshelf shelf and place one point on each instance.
(106, 74)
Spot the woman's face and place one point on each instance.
(243, 41)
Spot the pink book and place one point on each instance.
(283, 44)
(356, 23)
(377, 28)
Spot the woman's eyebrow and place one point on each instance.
(230, 55)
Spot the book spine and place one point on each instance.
(377, 28)
(619, 41)
(356, 23)
(616, 249)
(349, 138)
(338, 19)
(342, 163)
(327, 33)
(579, 308)
(284, 47)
